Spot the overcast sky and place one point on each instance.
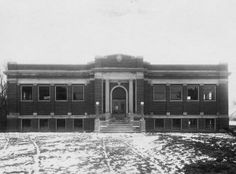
(162, 31)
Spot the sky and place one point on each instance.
(161, 31)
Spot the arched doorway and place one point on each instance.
(119, 102)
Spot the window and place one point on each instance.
(159, 92)
(44, 93)
(192, 92)
(210, 124)
(43, 124)
(61, 124)
(26, 124)
(78, 123)
(209, 92)
(192, 123)
(78, 92)
(159, 123)
(176, 92)
(61, 93)
(176, 123)
(26, 93)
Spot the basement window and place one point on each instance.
(210, 124)
(61, 93)
(61, 124)
(44, 94)
(78, 92)
(209, 92)
(176, 124)
(159, 92)
(26, 124)
(176, 92)
(78, 123)
(44, 124)
(192, 123)
(26, 93)
(159, 123)
(192, 92)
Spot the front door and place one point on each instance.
(118, 103)
(118, 107)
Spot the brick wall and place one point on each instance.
(12, 97)
(98, 94)
(223, 100)
(190, 107)
(52, 106)
(140, 94)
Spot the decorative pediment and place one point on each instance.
(119, 60)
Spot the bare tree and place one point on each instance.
(3, 101)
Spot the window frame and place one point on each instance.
(73, 92)
(214, 124)
(215, 90)
(153, 92)
(181, 93)
(172, 124)
(56, 93)
(22, 93)
(49, 93)
(198, 93)
(23, 127)
(159, 128)
(189, 125)
(60, 128)
(76, 128)
(42, 128)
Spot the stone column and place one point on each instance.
(131, 105)
(107, 96)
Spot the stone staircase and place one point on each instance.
(119, 127)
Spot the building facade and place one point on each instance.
(117, 88)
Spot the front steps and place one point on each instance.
(119, 127)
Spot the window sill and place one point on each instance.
(77, 100)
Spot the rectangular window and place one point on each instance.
(26, 124)
(78, 92)
(210, 124)
(159, 92)
(176, 92)
(192, 92)
(61, 93)
(159, 123)
(44, 94)
(43, 124)
(26, 93)
(192, 123)
(78, 123)
(61, 124)
(176, 124)
(209, 92)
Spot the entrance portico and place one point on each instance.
(119, 91)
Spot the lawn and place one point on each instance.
(117, 153)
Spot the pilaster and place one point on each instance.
(130, 96)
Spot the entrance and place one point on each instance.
(118, 107)
(119, 103)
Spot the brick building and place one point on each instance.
(117, 93)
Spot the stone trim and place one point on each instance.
(52, 116)
(185, 81)
(186, 116)
(52, 81)
(119, 75)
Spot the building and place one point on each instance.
(117, 89)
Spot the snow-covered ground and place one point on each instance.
(103, 153)
(232, 123)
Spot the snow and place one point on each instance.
(232, 123)
(102, 153)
